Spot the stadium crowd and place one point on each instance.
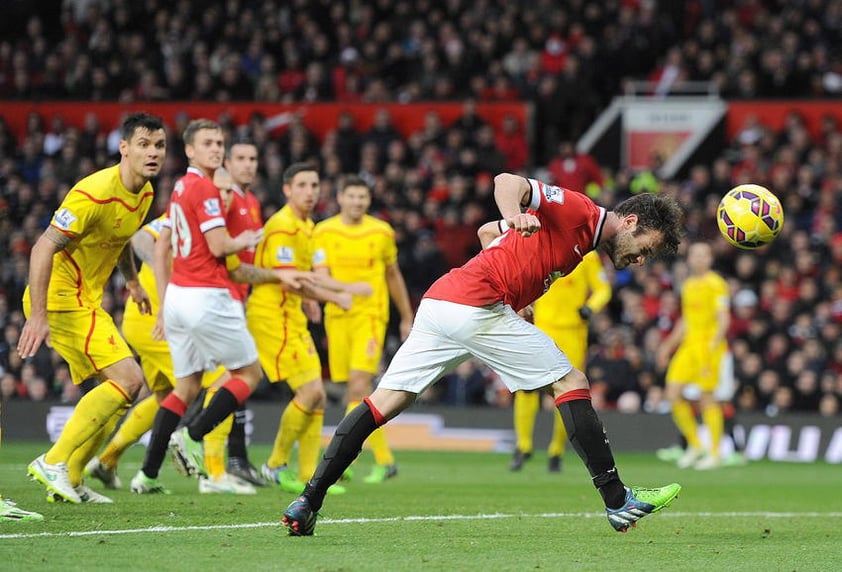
(435, 186)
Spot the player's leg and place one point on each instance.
(574, 340)
(101, 351)
(711, 408)
(525, 410)
(681, 370)
(239, 464)
(422, 359)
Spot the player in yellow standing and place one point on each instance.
(276, 319)
(699, 337)
(562, 313)
(70, 264)
(354, 246)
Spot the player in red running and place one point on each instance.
(544, 233)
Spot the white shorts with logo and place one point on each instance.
(445, 334)
(206, 328)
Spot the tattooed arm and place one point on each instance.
(128, 269)
(36, 329)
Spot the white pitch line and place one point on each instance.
(327, 521)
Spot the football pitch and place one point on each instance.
(444, 511)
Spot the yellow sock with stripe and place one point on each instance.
(525, 410)
(556, 448)
(310, 445)
(214, 442)
(90, 415)
(81, 456)
(682, 415)
(715, 422)
(377, 441)
(293, 422)
(138, 421)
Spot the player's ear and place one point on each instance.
(630, 220)
(123, 147)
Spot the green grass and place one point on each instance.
(445, 511)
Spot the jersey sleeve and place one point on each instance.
(390, 249)
(76, 214)
(155, 226)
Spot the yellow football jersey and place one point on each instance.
(287, 243)
(702, 298)
(357, 253)
(101, 215)
(586, 285)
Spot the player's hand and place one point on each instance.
(158, 332)
(527, 313)
(35, 331)
(293, 280)
(344, 300)
(405, 326)
(662, 358)
(249, 239)
(312, 310)
(525, 224)
(363, 289)
(140, 297)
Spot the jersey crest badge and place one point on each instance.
(212, 207)
(64, 218)
(319, 256)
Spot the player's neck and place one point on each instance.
(206, 172)
(131, 181)
(298, 212)
(349, 221)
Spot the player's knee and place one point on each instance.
(312, 394)
(573, 380)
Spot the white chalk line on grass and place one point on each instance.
(423, 518)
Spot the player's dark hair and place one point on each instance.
(354, 181)
(238, 140)
(295, 168)
(656, 212)
(197, 125)
(139, 120)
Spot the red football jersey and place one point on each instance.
(243, 214)
(516, 270)
(195, 208)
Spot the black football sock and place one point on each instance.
(166, 421)
(344, 447)
(221, 406)
(237, 436)
(587, 435)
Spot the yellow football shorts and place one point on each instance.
(88, 340)
(285, 355)
(355, 342)
(695, 363)
(572, 340)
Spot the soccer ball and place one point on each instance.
(750, 216)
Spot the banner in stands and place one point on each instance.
(318, 117)
(787, 438)
(773, 114)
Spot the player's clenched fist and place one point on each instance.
(524, 223)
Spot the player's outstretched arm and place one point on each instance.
(37, 329)
(220, 243)
(324, 280)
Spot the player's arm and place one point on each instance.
(221, 244)
(251, 274)
(723, 322)
(128, 268)
(323, 280)
(315, 291)
(162, 269)
(400, 296)
(600, 288)
(670, 343)
(37, 329)
(143, 244)
(511, 192)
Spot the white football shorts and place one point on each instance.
(445, 334)
(206, 328)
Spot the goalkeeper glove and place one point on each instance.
(585, 313)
